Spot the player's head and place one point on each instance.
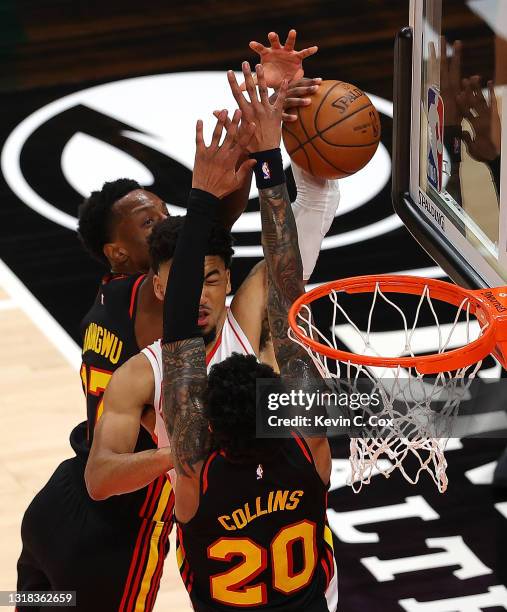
(217, 279)
(115, 222)
(230, 405)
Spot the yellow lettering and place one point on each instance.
(280, 500)
(239, 518)
(270, 501)
(118, 345)
(294, 497)
(107, 342)
(249, 517)
(98, 343)
(258, 508)
(223, 521)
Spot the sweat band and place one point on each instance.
(269, 168)
(186, 277)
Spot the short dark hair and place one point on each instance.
(95, 226)
(164, 236)
(230, 407)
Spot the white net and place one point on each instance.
(419, 409)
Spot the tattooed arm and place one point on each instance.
(286, 284)
(285, 278)
(183, 388)
(183, 351)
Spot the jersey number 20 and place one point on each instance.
(234, 587)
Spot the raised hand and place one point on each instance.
(484, 118)
(257, 109)
(215, 166)
(281, 62)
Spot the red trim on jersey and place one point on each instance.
(133, 564)
(167, 516)
(190, 583)
(236, 334)
(134, 293)
(179, 535)
(205, 471)
(328, 577)
(140, 566)
(158, 489)
(154, 357)
(331, 560)
(111, 276)
(163, 542)
(302, 446)
(148, 495)
(209, 356)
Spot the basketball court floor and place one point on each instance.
(83, 99)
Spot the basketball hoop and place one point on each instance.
(479, 328)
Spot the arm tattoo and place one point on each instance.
(183, 386)
(285, 275)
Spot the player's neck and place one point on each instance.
(211, 344)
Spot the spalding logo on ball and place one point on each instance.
(337, 134)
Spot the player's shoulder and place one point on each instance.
(112, 284)
(135, 377)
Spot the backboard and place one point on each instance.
(450, 126)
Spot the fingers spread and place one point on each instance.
(236, 91)
(291, 40)
(199, 139)
(232, 129)
(304, 53)
(250, 84)
(219, 127)
(261, 82)
(227, 121)
(274, 40)
(257, 47)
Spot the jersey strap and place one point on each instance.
(133, 296)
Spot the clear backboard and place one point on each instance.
(450, 118)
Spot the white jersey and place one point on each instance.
(231, 340)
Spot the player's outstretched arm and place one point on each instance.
(281, 62)
(183, 351)
(280, 243)
(113, 468)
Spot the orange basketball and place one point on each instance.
(337, 134)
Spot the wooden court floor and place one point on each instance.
(40, 402)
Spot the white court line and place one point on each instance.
(31, 306)
(8, 304)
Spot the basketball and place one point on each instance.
(337, 134)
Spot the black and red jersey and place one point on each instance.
(108, 341)
(259, 539)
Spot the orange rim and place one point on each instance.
(488, 306)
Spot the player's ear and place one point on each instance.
(115, 253)
(158, 287)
